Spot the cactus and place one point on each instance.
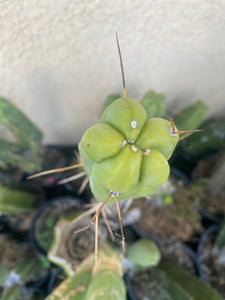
(104, 282)
(212, 138)
(64, 251)
(23, 129)
(144, 253)
(124, 153)
(109, 100)
(190, 117)
(9, 154)
(107, 282)
(15, 201)
(23, 151)
(154, 104)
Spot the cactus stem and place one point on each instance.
(121, 225)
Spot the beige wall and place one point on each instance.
(58, 58)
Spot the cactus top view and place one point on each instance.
(126, 154)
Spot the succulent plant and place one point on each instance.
(126, 154)
(14, 200)
(103, 282)
(26, 135)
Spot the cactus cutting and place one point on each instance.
(126, 154)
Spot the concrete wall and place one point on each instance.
(58, 58)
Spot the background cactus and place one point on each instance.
(154, 104)
(15, 201)
(143, 253)
(26, 136)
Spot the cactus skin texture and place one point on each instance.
(125, 153)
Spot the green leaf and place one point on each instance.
(16, 121)
(144, 253)
(154, 104)
(14, 201)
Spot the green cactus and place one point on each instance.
(15, 201)
(126, 154)
(154, 104)
(143, 253)
(103, 281)
(211, 139)
(16, 121)
(109, 100)
(107, 282)
(190, 117)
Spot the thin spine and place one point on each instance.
(71, 178)
(96, 214)
(96, 241)
(121, 65)
(108, 225)
(121, 225)
(182, 131)
(55, 171)
(83, 185)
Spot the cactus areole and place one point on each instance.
(126, 154)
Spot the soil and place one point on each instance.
(178, 219)
(144, 288)
(11, 251)
(212, 204)
(213, 271)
